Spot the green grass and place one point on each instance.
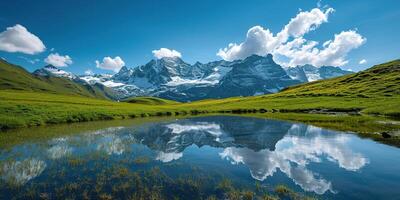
(150, 101)
(10, 138)
(378, 81)
(21, 109)
(13, 77)
(368, 96)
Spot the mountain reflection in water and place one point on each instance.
(263, 146)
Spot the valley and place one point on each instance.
(174, 79)
(362, 105)
(359, 102)
(199, 100)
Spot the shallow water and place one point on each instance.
(197, 158)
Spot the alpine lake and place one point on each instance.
(204, 157)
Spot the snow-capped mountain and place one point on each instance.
(51, 70)
(172, 78)
(104, 79)
(308, 73)
(255, 75)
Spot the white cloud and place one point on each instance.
(363, 61)
(21, 171)
(88, 72)
(294, 153)
(333, 52)
(258, 41)
(58, 60)
(114, 146)
(290, 44)
(19, 39)
(166, 53)
(59, 151)
(305, 22)
(168, 157)
(114, 64)
(32, 61)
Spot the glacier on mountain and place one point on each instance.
(172, 78)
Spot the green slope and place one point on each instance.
(150, 101)
(379, 81)
(373, 91)
(13, 77)
(364, 92)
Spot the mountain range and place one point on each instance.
(32, 99)
(172, 78)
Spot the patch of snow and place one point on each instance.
(210, 128)
(215, 129)
(274, 90)
(313, 77)
(180, 81)
(168, 157)
(102, 79)
(90, 79)
(112, 84)
(59, 73)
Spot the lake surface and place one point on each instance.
(197, 158)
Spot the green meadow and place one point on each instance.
(366, 102)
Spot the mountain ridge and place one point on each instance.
(372, 91)
(174, 79)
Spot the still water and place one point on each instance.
(215, 157)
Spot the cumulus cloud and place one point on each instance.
(113, 64)
(265, 163)
(333, 52)
(363, 61)
(20, 172)
(113, 146)
(290, 44)
(19, 39)
(166, 53)
(302, 146)
(58, 60)
(32, 61)
(88, 72)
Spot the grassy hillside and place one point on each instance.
(150, 101)
(24, 109)
(373, 91)
(324, 103)
(13, 77)
(379, 81)
(27, 108)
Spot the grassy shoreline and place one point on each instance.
(20, 109)
(26, 109)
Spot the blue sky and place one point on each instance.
(87, 31)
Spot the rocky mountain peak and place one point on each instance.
(50, 66)
(173, 78)
(171, 59)
(123, 69)
(255, 58)
(308, 73)
(51, 70)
